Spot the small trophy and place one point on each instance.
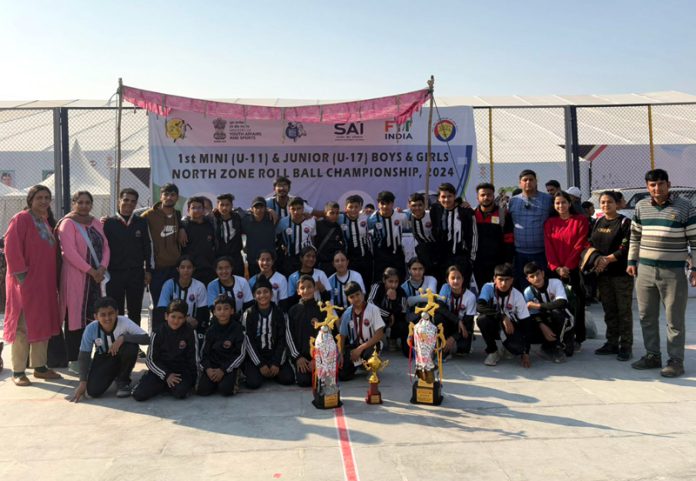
(325, 352)
(373, 366)
(427, 341)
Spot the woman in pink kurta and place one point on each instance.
(31, 316)
(81, 275)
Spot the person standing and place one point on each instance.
(228, 232)
(663, 228)
(163, 220)
(386, 227)
(259, 228)
(130, 264)
(610, 236)
(529, 210)
(31, 313)
(85, 259)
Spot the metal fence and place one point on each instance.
(592, 147)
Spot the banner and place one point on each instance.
(209, 156)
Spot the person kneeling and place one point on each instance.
(551, 322)
(362, 329)
(223, 350)
(171, 358)
(115, 339)
(501, 306)
(264, 325)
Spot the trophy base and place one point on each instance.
(373, 395)
(427, 393)
(328, 401)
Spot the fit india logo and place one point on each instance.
(445, 130)
(295, 130)
(395, 131)
(176, 129)
(219, 125)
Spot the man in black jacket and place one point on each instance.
(200, 240)
(130, 265)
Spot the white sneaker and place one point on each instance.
(492, 359)
(505, 354)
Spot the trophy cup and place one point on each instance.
(374, 365)
(325, 352)
(426, 339)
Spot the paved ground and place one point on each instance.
(590, 419)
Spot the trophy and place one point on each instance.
(374, 365)
(325, 353)
(427, 341)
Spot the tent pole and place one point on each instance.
(118, 140)
(431, 87)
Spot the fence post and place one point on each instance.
(490, 141)
(57, 170)
(571, 146)
(652, 145)
(65, 158)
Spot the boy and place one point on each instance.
(329, 238)
(279, 202)
(422, 229)
(454, 228)
(501, 306)
(228, 232)
(551, 322)
(264, 324)
(200, 240)
(301, 326)
(259, 228)
(357, 237)
(171, 358)
(223, 351)
(115, 339)
(386, 228)
(362, 328)
(293, 233)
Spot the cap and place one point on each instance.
(257, 201)
(574, 191)
(262, 281)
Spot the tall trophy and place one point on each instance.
(325, 353)
(373, 366)
(427, 341)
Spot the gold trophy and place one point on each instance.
(326, 352)
(427, 341)
(373, 366)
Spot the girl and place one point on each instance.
(233, 286)
(565, 236)
(342, 276)
(308, 258)
(391, 300)
(190, 290)
(279, 283)
(417, 280)
(610, 236)
(462, 303)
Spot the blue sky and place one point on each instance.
(358, 49)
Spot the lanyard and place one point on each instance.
(358, 322)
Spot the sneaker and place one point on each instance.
(21, 380)
(607, 349)
(393, 347)
(624, 354)
(46, 374)
(141, 354)
(492, 359)
(74, 367)
(505, 354)
(649, 361)
(578, 346)
(559, 356)
(674, 368)
(546, 354)
(124, 390)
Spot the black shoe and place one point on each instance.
(674, 368)
(624, 354)
(141, 354)
(649, 361)
(607, 349)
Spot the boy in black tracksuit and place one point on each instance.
(200, 240)
(223, 350)
(171, 358)
(329, 238)
(390, 298)
(301, 321)
(228, 232)
(264, 325)
(130, 265)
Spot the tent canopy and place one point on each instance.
(399, 107)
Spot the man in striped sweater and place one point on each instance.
(662, 229)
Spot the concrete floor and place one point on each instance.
(592, 418)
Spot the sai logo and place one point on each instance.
(176, 129)
(219, 125)
(295, 130)
(445, 130)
